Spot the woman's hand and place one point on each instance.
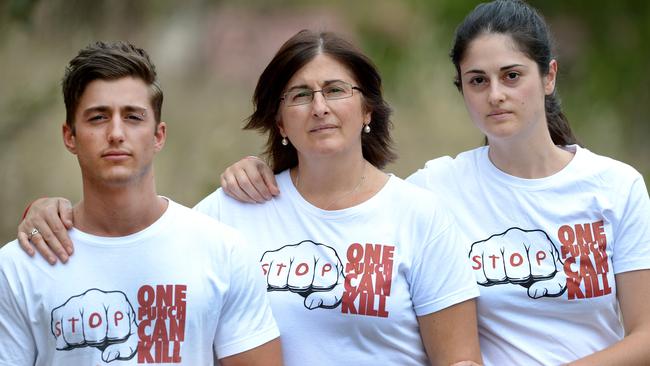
(45, 227)
(249, 180)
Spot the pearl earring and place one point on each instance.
(284, 141)
(366, 128)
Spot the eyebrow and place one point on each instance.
(103, 108)
(325, 83)
(478, 71)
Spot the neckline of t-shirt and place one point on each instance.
(286, 185)
(535, 183)
(127, 240)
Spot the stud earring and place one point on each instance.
(366, 128)
(284, 141)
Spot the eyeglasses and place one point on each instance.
(335, 90)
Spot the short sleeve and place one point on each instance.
(441, 275)
(427, 177)
(246, 320)
(17, 344)
(210, 205)
(632, 234)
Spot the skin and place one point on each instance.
(115, 140)
(327, 136)
(504, 96)
(504, 91)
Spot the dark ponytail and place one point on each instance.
(531, 35)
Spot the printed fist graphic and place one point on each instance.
(310, 269)
(101, 319)
(522, 257)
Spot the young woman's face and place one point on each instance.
(323, 127)
(503, 89)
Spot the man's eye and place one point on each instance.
(134, 117)
(97, 117)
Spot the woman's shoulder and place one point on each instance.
(591, 165)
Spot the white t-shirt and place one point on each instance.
(176, 293)
(545, 251)
(346, 286)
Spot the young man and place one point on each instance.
(155, 282)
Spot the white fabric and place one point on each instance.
(183, 284)
(534, 224)
(311, 256)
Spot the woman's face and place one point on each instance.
(504, 91)
(323, 127)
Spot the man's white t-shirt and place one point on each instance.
(346, 286)
(176, 293)
(545, 252)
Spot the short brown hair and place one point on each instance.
(304, 46)
(108, 61)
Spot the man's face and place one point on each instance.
(116, 136)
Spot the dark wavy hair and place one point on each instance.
(108, 61)
(530, 33)
(304, 46)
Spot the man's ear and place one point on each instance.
(160, 136)
(549, 79)
(69, 138)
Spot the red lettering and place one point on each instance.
(160, 331)
(599, 233)
(117, 317)
(347, 301)
(144, 351)
(387, 255)
(382, 307)
(265, 268)
(583, 233)
(354, 267)
(98, 320)
(73, 320)
(305, 269)
(477, 259)
(180, 292)
(382, 284)
(373, 253)
(494, 260)
(176, 329)
(164, 295)
(142, 331)
(57, 329)
(146, 296)
(280, 266)
(540, 256)
(573, 280)
(348, 282)
(518, 257)
(355, 253)
(365, 285)
(566, 235)
(326, 268)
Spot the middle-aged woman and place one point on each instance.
(361, 267)
(559, 236)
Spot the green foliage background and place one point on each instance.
(209, 54)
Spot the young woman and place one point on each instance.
(559, 236)
(361, 267)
